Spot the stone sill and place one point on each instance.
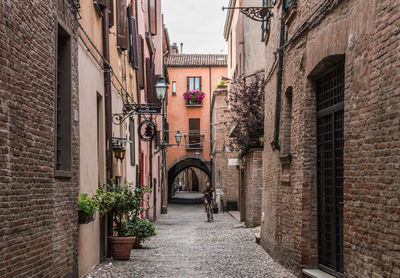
(194, 105)
(316, 273)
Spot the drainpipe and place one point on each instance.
(279, 84)
(108, 101)
(108, 108)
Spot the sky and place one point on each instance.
(198, 24)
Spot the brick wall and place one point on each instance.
(366, 35)
(226, 177)
(38, 216)
(253, 186)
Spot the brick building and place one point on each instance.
(332, 138)
(39, 139)
(225, 172)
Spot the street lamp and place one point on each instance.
(178, 137)
(119, 151)
(161, 89)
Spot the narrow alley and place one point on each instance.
(188, 246)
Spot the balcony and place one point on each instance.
(194, 141)
(195, 103)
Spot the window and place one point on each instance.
(110, 5)
(153, 16)
(194, 134)
(330, 132)
(287, 122)
(286, 4)
(132, 139)
(265, 24)
(63, 104)
(133, 40)
(194, 83)
(173, 88)
(122, 40)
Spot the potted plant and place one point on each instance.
(86, 209)
(194, 96)
(215, 207)
(142, 230)
(121, 202)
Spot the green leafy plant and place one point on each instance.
(86, 204)
(215, 204)
(122, 202)
(142, 228)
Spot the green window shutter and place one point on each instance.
(286, 4)
(263, 24)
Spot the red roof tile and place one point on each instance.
(196, 60)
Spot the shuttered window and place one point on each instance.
(122, 37)
(133, 40)
(102, 3)
(110, 5)
(194, 134)
(140, 72)
(153, 16)
(149, 81)
(286, 4)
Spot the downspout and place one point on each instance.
(108, 100)
(279, 84)
(108, 108)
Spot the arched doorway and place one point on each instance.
(185, 162)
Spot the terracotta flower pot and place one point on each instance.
(137, 244)
(121, 247)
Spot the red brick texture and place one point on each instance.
(226, 177)
(365, 35)
(252, 188)
(38, 216)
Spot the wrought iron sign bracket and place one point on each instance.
(135, 109)
(259, 14)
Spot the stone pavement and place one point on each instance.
(189, 246)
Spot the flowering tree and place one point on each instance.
(246, 100)
(194, 95)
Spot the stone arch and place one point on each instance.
(183, 163)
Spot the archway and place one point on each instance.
(188, 161)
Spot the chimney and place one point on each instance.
(181, 47)
(174, 48)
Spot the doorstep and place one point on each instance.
(316, 273)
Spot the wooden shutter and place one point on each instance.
(149, 81)
(194, 134)
(122, 40)
(140, 72)
(194, 126)
(133, 40)
(102, 3)
(153, 16)
(132, 138)
(110, 5)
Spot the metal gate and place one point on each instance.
(330, 104)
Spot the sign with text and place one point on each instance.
(233, 162)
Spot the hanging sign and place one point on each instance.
(147, 130)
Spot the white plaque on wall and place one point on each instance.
(233, 162)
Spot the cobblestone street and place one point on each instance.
(188, 246)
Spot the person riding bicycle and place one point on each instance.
(208, 199)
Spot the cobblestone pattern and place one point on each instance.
(366, 35)
(188, 246)
(38, 216)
